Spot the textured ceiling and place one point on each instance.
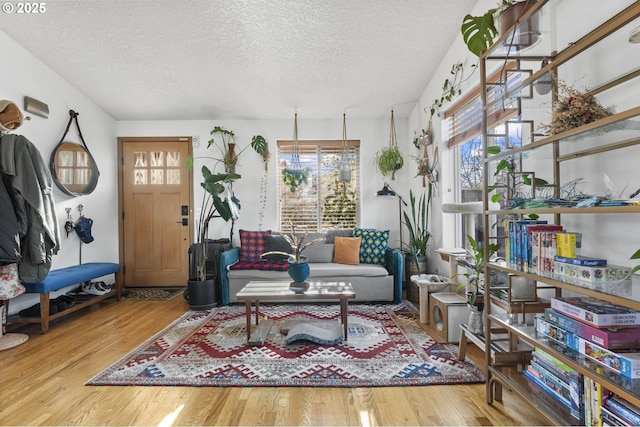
(244, 59)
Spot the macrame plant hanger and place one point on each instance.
(393, 144)
(294, 176)
(295, 158)
(344, 166)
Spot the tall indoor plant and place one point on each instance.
(218, 201)
(418, 228)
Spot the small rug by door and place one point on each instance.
(146, 294)
(386, 347)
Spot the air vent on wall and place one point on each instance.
(36, 107)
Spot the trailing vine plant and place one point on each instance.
(451, 88)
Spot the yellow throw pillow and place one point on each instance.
(346, 250)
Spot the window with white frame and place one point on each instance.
(330, 197)
(464, 121)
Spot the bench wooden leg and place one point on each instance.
(44, 312)
(118, 283)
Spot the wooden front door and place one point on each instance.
(156, 195)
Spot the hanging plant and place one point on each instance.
(294, 178)
(389, 159)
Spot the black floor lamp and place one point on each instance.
(387, 191)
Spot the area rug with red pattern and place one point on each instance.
(386, 346)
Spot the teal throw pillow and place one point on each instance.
(373, 244)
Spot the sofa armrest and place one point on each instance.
(393, 263)
(227, 258)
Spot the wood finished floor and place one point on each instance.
(42, 383)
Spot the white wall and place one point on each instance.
(25, 75)
(377, 212)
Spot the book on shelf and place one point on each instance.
(552, 401)
(613, 339)
(582, 260)
(559, 389)
(536, 249)
(568, 244)
(555, 383)
(596, 312)
(547, 241)
(520, 241)
(624, 362)
(593, 401)
(568, 370)
(609, 418)
(550, 363)
(548, 389)
(623, 409)
(555, 333)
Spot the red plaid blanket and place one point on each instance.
(260, 265)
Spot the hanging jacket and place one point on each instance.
(9, 229)
(31, 183)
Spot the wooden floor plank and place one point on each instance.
(43, 384)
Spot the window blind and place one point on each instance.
(324, 201)
(464, 119)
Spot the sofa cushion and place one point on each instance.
(319, 271)
(252, 244)
(342, 232)
(373, 245)
(319, 252)
(347, 250)
(276, 243)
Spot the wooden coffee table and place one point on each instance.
(281, 291)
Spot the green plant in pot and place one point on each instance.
(418, 228)
(388, 160)
(294, 178)
(298, 265)
(474, 261)
(218, 202)
(474, 288)
(479, 32)
(226, 146)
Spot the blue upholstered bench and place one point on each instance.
(69, 276)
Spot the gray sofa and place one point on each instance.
(371, 282)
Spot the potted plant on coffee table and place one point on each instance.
(298, 264)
